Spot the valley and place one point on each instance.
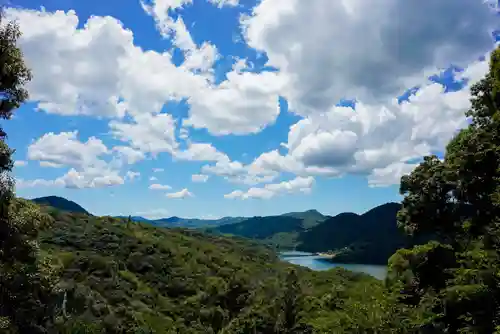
(370, 238)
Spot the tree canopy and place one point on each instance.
(455, 280)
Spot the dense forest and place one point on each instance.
(370, 238)
(101, 273)
(66, 272)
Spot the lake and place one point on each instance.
(316, 262)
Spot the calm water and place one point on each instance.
(317, 263)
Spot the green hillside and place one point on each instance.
(310, 217)
(368, 238)
(60, 203)
(194, 222)
(263, 227)
(103, 274)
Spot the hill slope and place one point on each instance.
(281, 231)
(275, 228)
(194, 222)
(60, 203)
(370, 238)
(185, 222)
(310, 217)
(104, 275)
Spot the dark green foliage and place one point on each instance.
(454, 282)
(60, 203)
(13, 72)
(25, 289)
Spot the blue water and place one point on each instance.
(315, 262)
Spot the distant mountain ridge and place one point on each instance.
(60, 203)
(281, 231)
(309, 217)
(371, 237)
(175, 221)
(368, 238)
(263, 227)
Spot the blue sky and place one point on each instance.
(254, 97)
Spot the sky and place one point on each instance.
(212, 108)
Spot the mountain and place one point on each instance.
(368, 238)
(134, 218)
(175, 221)
(263, 227)
(309, 214)
(310, 217)
(60, 203)
(280, 231)
(194, 222)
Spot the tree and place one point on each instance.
(455, 279)
(289, 319)
(13, 76)
(23, 301)
(13, 72)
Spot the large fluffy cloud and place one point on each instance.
(324, 50)
(369, 51)
(148, 133)
(66, 149)
(382, 141)
(97, 70)
(87, 178)
(201, 152)
(88, 167)
(75, 71)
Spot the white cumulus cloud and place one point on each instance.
(370, 51)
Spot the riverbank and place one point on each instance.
(326, 255)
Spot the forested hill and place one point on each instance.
(310, 217)
(280, 231)
(60, 203)
(110, 275)
(263, 227)
(369, 238)
(185, 222)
